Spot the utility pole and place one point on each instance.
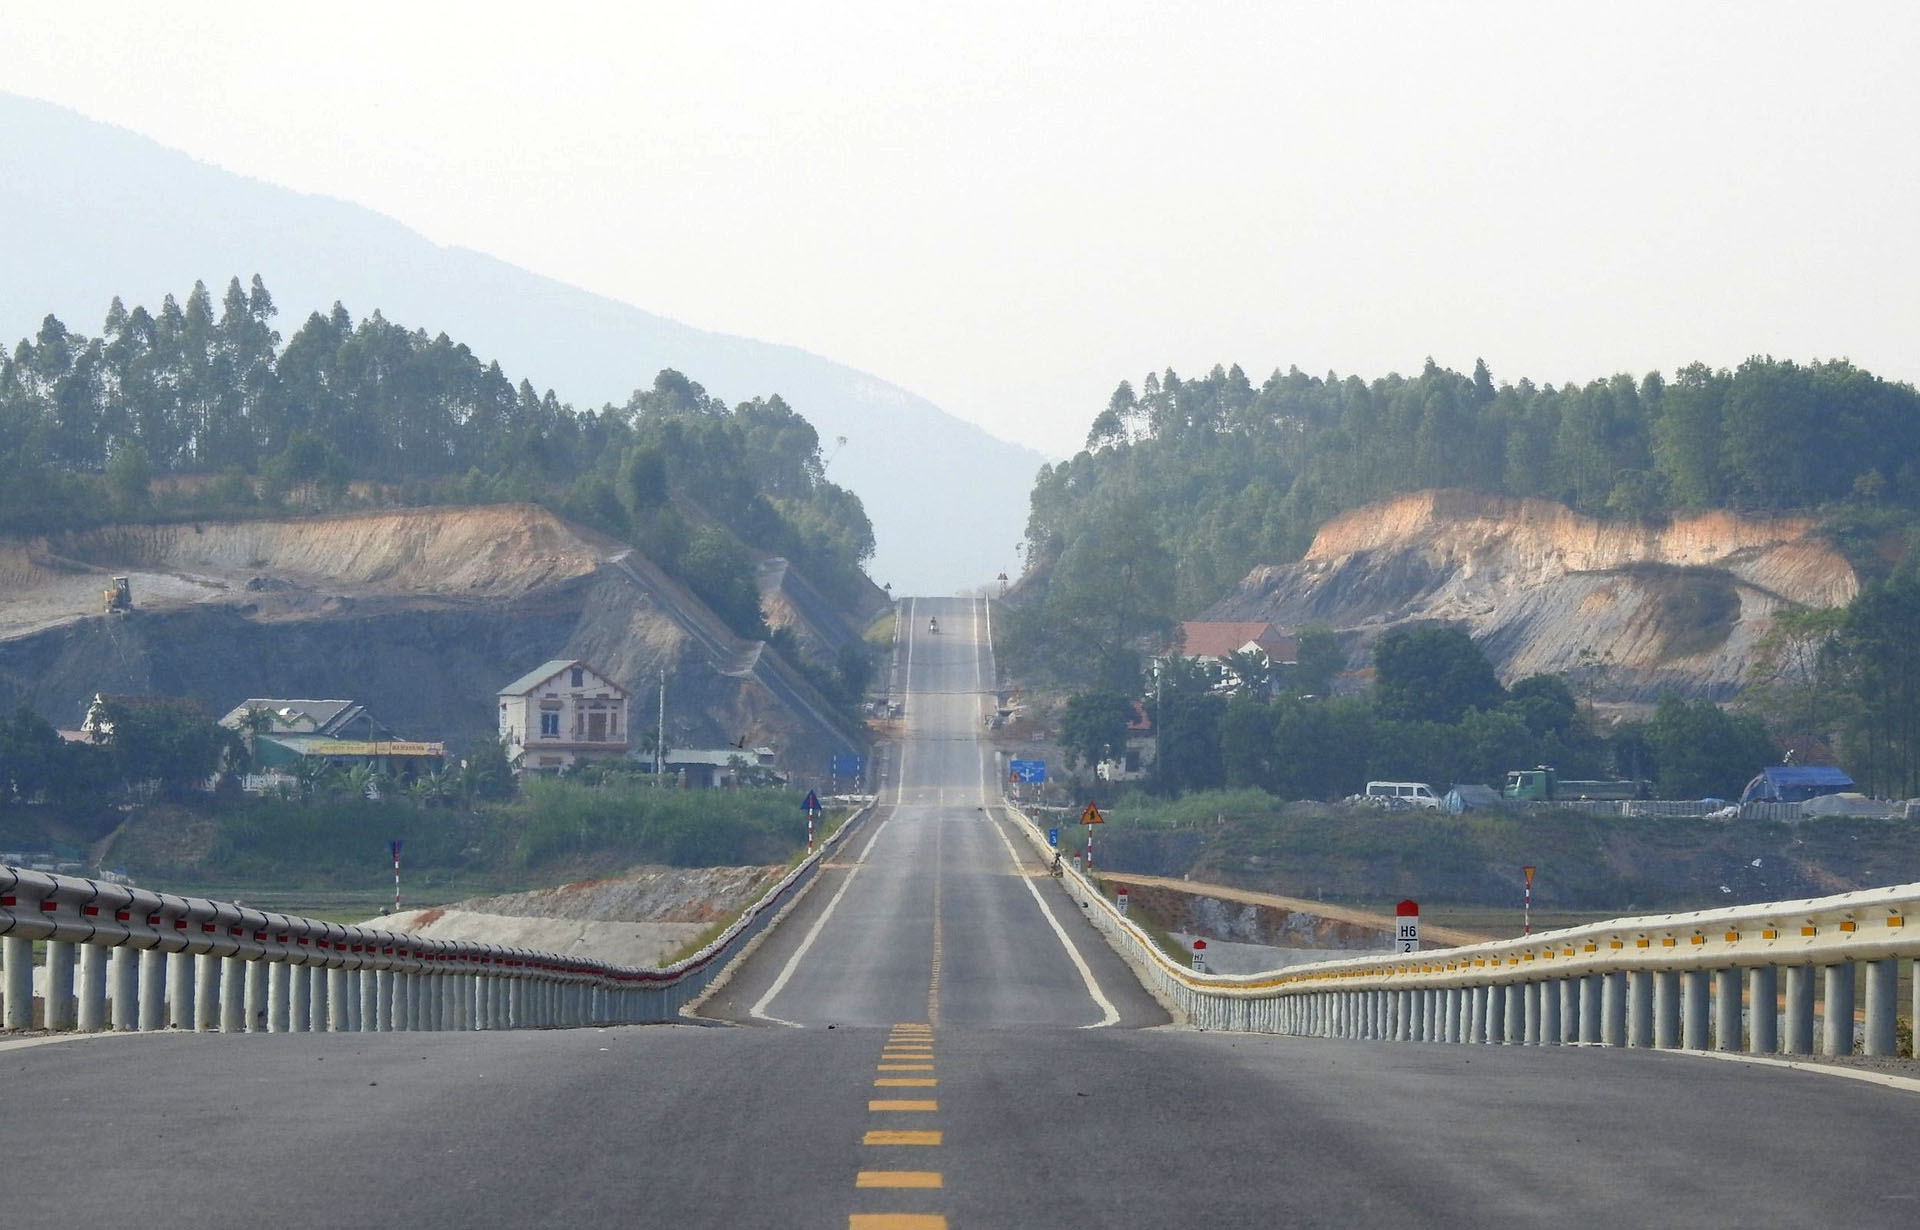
(660, 734)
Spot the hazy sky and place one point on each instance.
(1011, 207)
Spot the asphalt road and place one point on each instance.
(917, 1046)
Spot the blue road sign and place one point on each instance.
(848, 767)
(812, 804)
(1029, 771)
(1053, 838)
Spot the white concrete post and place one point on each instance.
(60, 1008)
(180, 990)
(1614, 1008)
(1547, 1023)
(256, 997)
(1569, 1011)
(1883, 1005)
(17, 956)
(1515, 1034)
(317, 992)
(1799, 1031)
(369, 999)
(206, 993)
(383, 1001)
(153, 989)
(1837, 1032)
(93, 988)
(126, 989)
(233, 995)
(1640, 1008)
(1593, 1015)
(1477, 1026)
(1726, 1010)
(350, 987)
(1763, 1010)
(338, 1005)
(1695, 989)
(1666, 1009)
(299, 999)
(278, 985)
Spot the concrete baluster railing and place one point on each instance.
(122, 958)
(1745, 977)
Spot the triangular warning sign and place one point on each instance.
(1092, 815)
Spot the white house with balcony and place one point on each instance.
(561, 713)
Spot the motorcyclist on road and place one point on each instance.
(933, 625)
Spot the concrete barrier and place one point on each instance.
(1673, 981)
(124, 958)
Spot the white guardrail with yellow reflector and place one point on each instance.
(1678, 981)
(122, 958)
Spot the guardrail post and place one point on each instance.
(1666, 1009)
(1726, 1010)
(1799, 1031)
(368, 998)
(93, 988)
(1614, 1009)
(1914, 1016)
(1763, 1010)
(60, 1008)
(256, 996)
(1515, 1033)
(153, 989)
(317, 1003)
(126, 990)
(277, 987)
(1481, 1007)
(180, 989)
(1883, 998)
(206, 994)
(233, 995)
(17, 956)
(1695, 986)
(1640, 1008)
(300, 999)
(1547, 1030)
(383, 982)
(1837, 1036)
(1593, 1009)
(337, 1002)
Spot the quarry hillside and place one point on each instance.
(422, 614)
(1631, 609)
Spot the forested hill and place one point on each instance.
(1189, 483)
(197, 409)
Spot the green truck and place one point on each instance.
(1543, 785)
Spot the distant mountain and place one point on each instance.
(90, 211)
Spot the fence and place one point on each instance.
(123, 958)
(1671, 981)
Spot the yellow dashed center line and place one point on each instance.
(904, 1067)
(905, 1082)
(899, 1137)
(899, 1178)
(902, 1104)
(896, 1221)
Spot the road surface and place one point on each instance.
(917, 1046)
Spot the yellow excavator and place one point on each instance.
(118, 596)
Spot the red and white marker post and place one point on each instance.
(1199, 956)
(1407, 931)
(1120, 900)
(1526, 905)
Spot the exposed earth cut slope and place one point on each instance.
(423, 614)
(1633, 608)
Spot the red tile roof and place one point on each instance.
(1205, 639)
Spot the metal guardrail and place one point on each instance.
(1671, 981)
(124, 958)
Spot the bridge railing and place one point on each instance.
(1707, 979)
(124, 958)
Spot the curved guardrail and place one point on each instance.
(124, 958)
(1709, 979)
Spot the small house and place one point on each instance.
(561, 713)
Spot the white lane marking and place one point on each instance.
(759, 1008)
(1110, 1014)
(1907, 1083)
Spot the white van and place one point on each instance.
(1402, 794)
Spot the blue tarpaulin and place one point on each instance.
(1795, 783)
